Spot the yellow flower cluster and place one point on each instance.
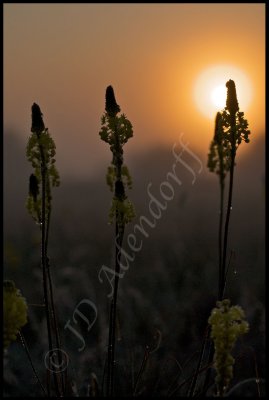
(227, 324)
(14, 310)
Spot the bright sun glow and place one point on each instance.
(218, 96)
(210, 91)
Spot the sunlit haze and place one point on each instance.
(166, 63)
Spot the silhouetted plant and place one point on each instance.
(40, 153)
(116, 130)
(230, 129)
(235, 130)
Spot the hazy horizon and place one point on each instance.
(63, 56)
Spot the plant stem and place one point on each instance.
(53, 311)
(25, 346)
(220, 232)
(113, 310)
(229, 207)
(141, 370)
(43, 247)
(221, 282)
(201, 355)
(206, 338)
(44, 236)
(119, 233)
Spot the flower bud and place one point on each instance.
(112, 108)
(37, 120)
(231, 102)
(33, 186)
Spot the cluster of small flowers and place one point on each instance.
(116, 131)
(40, 153)
(231, 128)
(227, 324)
(14, 310)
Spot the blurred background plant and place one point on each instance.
(14, 312)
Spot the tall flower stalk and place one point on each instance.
(230, 129)
(236, 130)
(116, 130)
(40, 153)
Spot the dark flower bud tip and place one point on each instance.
(112, 108)
(231, 102)
(37, 120)
(33, 186)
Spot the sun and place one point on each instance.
(210, 89)
(218, 96)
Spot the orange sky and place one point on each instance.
(63, 56)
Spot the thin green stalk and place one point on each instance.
(52, 302)
(56, 328)
(113, 313)
(216, 158)
(220, 230)
(222, 274)
(25, 346)
(43, 251)
(185, 381)
(226, 229)
(201, 356)
(119, 233)
(113, 310)
(110, 350)
(141, 370)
